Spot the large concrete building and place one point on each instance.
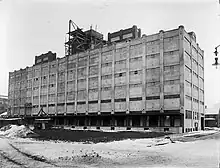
(153, 82)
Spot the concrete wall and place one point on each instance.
(194, 82)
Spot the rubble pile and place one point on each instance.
(17, 131)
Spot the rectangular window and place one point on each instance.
(120, 100)
(135, 99)
(152, 97)
(106, 101)
(135, 72)
(81, 102)
(188, 97)
(171, 96)
(93, 102)
(188, 114)
(118, 75)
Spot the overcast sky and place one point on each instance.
(32, 27)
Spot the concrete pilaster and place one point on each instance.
(161, 73)
(76, 82)
(127, 80)
(182, 69)
(99, 80)
(32, 91)
(39, 91)
(57, 68)
(113, 81)
(87, 84)
(191, 82)
(65, 94)
(144, 78)
(48, 81)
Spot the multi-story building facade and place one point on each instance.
(152, 82)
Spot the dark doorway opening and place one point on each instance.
(153, 121)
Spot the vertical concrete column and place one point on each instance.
(65, 121)
(97, 122)
(57, 70)
(144, 118)
(199, 112)
(125, 122)
(113, 79)
(202, 87)
(144, 77)
(191, 82)
(147, 121)
(39, 93)
(158, 123)
(89, 121)
(112, 123)
(127, 79)
(48, 81)
(74, 121)
(32, 91)
(87, 84)
(182, 69)
(76, 77)
(161, 72)
(203, 106)
(99, 80)
(130, 121)
(141, 121)
(65, 94)
(116, 123)
(86, 121)
(55, 121)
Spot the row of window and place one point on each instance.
(193, 60)
(193, 73)
(191, 115)
(136, 72)
(82, 73)
(194, 100)
(116, 100)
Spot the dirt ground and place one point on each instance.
(93, 136)
(191, 150)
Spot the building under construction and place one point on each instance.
(129, 82)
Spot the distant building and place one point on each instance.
(3, 103)
(154, 82)
(212, 116)
(212, 120)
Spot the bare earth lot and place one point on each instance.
(93, 136)
(198, 150)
